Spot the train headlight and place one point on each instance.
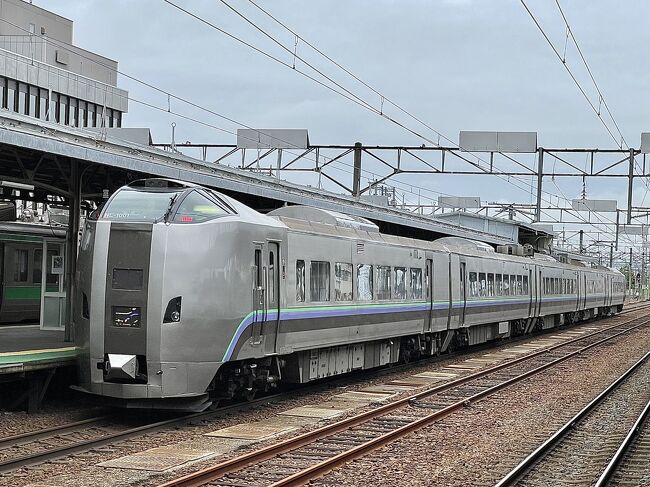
(173, 311)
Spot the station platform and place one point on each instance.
(32, 355)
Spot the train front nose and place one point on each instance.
(126, 300)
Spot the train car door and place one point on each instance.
(259, 293)
(539, 291)
(463, 292)
(272, 284)
(428, 289)
(532, 290)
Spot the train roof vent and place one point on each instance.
(463, 244)
(511, 249)
(328, 217)
(160, 183)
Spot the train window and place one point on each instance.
(364, 282)
(482, 284)
(197, 208)
(319, 281)
(383, 282)
(400, 283)
(473, 285)
(490, 284)
(520, 286)
(37, 272)
(300, 281)
(427, 282)
(498, 284)
(139, 205)
(52, 280)
(342, 281)
(20, 265)
(525, 284)
(513, 285)
(506, 285)
(416, 283)
(271, 283)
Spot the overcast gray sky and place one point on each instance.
(456, 64)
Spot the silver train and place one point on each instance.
(185, 296)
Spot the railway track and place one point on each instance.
(630, 465)
(33, 448)
(40, 446)
(584, 450)
(308, 456)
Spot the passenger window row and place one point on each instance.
(22, 267)
(559, 285)
(388, 282)
(483, 285)
(595, 287)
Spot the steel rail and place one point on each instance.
(540, 452)
(11, 464)
(622, 450)
(235, 464)
(22, 438)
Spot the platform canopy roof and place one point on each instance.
(48, 156)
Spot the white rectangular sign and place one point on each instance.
(272, 139)
(594, 205)
(459, 201)
(477, 141)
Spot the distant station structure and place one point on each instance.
(45, 76)
(46, 79)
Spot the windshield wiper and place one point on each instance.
(169, 208)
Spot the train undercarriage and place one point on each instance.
(246, 379)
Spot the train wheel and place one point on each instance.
(249, 394)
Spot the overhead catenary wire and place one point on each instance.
(383, 97)
(622, 142)
(183, 100)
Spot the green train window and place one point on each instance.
(21, 259)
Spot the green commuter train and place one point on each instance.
(21, 268)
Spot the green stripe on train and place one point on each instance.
(15, 237)
(38, 356)
(27, 292)
(22, 293)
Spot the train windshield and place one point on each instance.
(140, 205)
